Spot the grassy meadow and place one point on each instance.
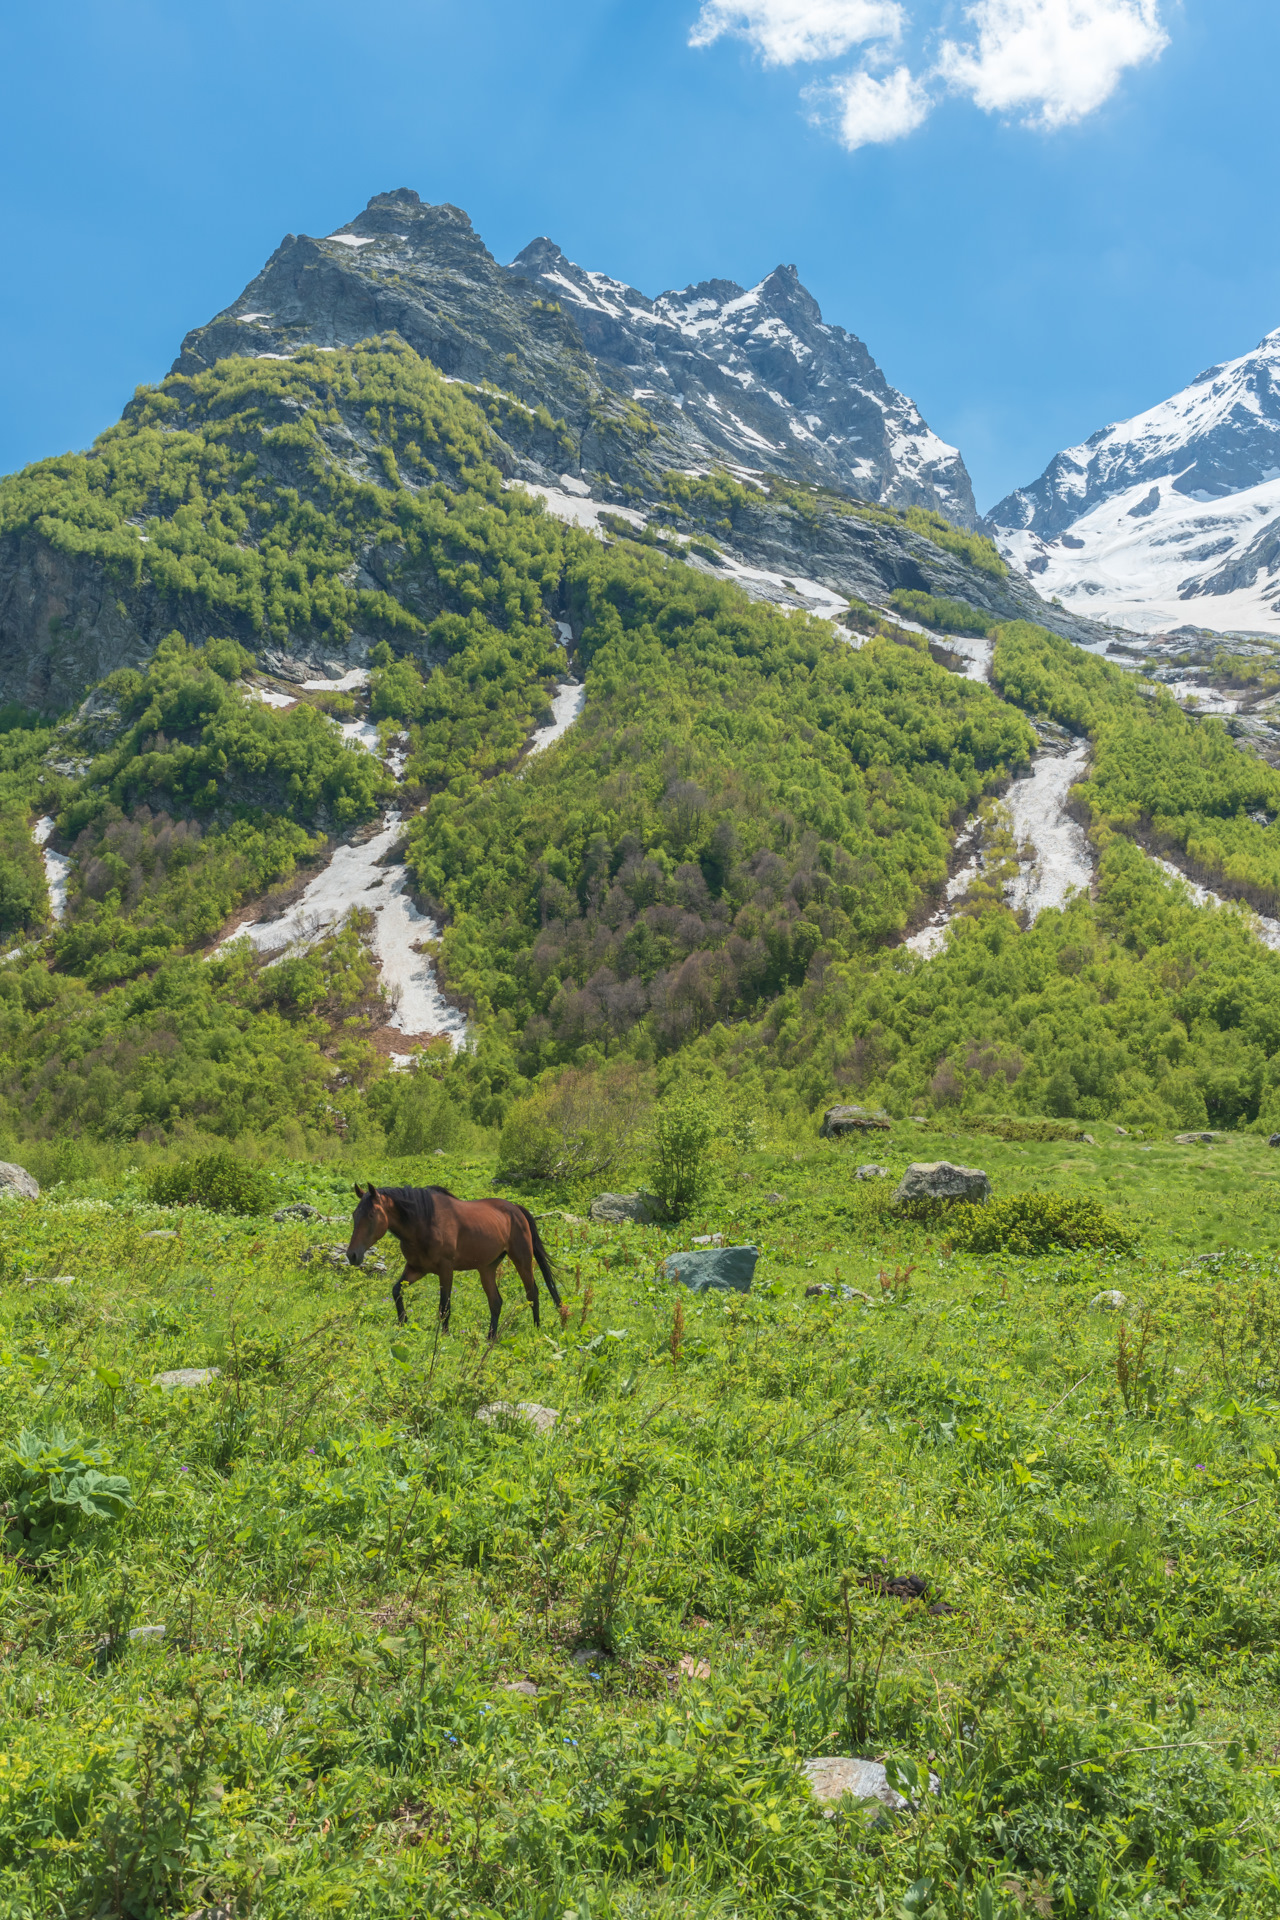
(415, 1663)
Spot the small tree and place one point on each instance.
(681, 1159)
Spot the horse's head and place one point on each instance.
(370, 1221)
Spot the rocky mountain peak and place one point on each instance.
(749, 376)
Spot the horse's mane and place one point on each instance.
(417, 1203)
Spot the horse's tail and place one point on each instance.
(541, 1255)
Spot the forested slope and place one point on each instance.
(710, 874)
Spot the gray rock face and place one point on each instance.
(713, 1269)
(940, 1180)
(16, 1180)
(841, 1120)
(642, 1209)
(712, 375)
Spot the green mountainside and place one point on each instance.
(710, 874)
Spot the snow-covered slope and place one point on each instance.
(761, 377)
(1171, 518)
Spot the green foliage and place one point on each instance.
(221, 1181)
(681, 1161)
(743, 794)
(1159, 774)
(420, 1111)
(576, 1125)
(947, 616)
(61, 1485)
(1029, 1223)
(973, 548)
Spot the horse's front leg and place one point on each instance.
(446, 1297)
(489, 1281)
(410, 1275)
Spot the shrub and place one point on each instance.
(1041, 1223)
(577, 1126)
(681, 1161)
(419, 1115)
(219, 1181)
(62, 1486)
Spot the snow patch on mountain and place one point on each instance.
(1149, 558)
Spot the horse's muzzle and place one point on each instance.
(356, 1259)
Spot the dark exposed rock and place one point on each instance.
(612, 1209)
(713, 1269)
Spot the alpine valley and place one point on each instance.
(575, 763)
(495, 671)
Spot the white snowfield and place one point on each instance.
(1137, 568)
(358, 677)
(271, 698)
(566, 704)
(1054, 856)
(355, 878)
(57, 866)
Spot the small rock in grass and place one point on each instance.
(161, 1233)
(774, 1200)
(839, 1120)
(713, 1269)
(940, 1180)
(820, 1292)
(1111, 1300)
(612, 1209)
(54, 1280)
(1274, 1141)
(708, 1239)
(439, 1154)
(525, 1687)
(185, 1377)
(337, 1257)
(898, 1586)
(871, 1172)
(692, 1668)
(1194, 1139)
(831, 1778)
(1123, 1131)
(856, 1293)
(17, 1181)
(301, 1210)
(589, 1656)
(542, 1418)
(1088, 1140)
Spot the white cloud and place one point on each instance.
(1059, 59)
(868, 111)
(785, 31)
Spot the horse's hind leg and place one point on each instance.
(446, 1297)
(489, 1281)
(524, 1267)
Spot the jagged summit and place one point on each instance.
(709, 373)
(1170, 517)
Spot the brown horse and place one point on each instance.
(439, 1233)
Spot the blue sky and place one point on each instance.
(1036, 231)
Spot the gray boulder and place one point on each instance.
(871, 1172)
(17, 1181)
(940, 1180)
(713, 1269)
(642, 1209)
(1111, 1300)
(839, 1120)
(542, 1419)
(1274, 1141)
(831, 1778)
(336, 1257)
(1194, 1139)
(185, 1377)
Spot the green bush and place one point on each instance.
(948, 616)
(576, 1126)
(1029, 1223)
(681, 1162)
(219, 1181)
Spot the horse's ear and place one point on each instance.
(359, 1191)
